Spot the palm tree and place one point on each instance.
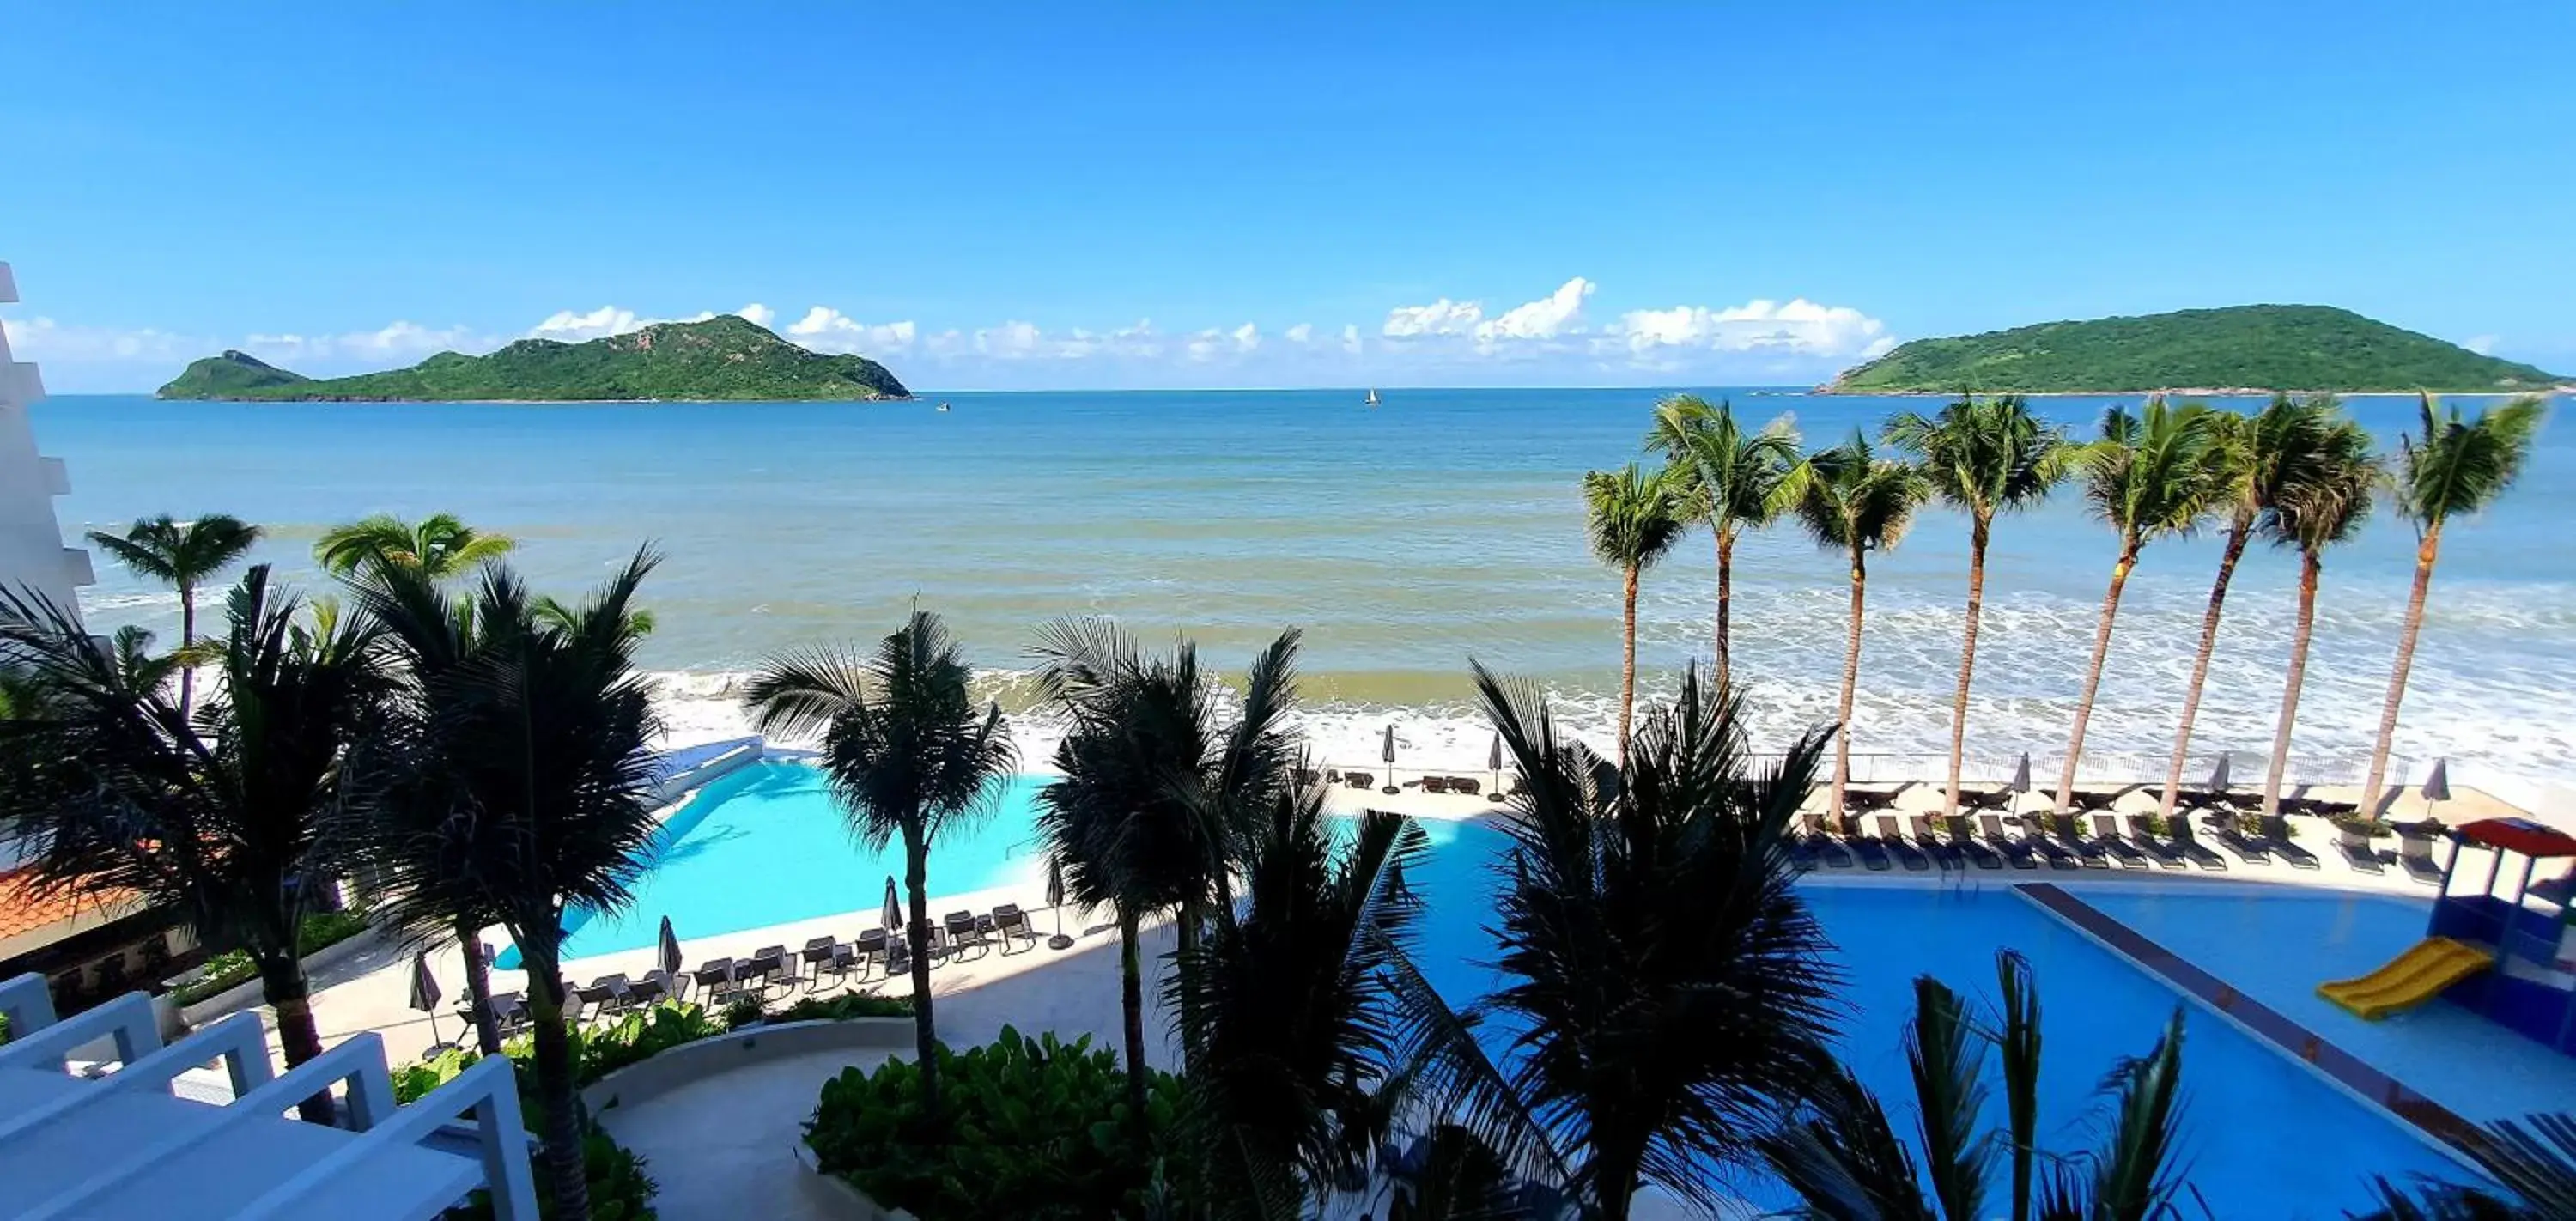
(2457, 468)
(1666, 987)
(2317, 494)
(229, 816)
(182, 556)
(2148, 476)
(2244, 452)
(1635, 518)
(1984, 457)
(439, 546)
(539, 801)
(2533, 1157)
(1845, 1162)
(423, 822)
(1288, 1004)
(907, 754)
(1728, 478)
(1857, 502)
(1155, 798)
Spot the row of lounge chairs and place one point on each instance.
(1982, 841)
(1464, 785)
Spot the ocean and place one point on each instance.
(1444, 526)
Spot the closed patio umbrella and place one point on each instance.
(2021, 775)
(2437, 786)
(1386, 752)
(2218, 776)
(670, 961)
(1055, 899)
(1494, 764)
(424, 991)
(892, 913)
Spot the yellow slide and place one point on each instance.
(2410, 979)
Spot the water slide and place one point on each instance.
(2410, 979)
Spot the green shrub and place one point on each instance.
(743, 1010)
(1035, 1128)
(233, 968)
(844, 1007)
(601, 1050)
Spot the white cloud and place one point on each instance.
(758, 315)
(44, 339)
(1212, 343)
(1351, 339)
(1441, 317)
(2483, 345)
(400, 342)
(1544, 318)
(1798, 327)
(825, 329)
(569, 327)
(1303, 332)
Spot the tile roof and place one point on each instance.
(23, 911)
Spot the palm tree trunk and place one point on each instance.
(1977, 534)
(478, 985)
(1186, 939)
(2425, 553)
(1131, 1003)
(567, 1169)
(2309, 564)
(1725, 601)
(1627, 662)
(925, 1032)
(187, 638)
(2093, 673)
(289, 996)
(1851, 681)
(2236, 540)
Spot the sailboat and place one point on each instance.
(1371, 401)
(943, 406)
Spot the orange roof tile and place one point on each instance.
(23, 910)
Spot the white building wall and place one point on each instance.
(31, 542)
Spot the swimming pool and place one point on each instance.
(2264, 1137)
(767, 845)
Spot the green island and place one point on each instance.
(2249, 347)
(721, 358)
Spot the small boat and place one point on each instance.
(1371, 401)
(943, 406)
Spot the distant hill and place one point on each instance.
(2251, 347)
(726, 358)
(231, 375)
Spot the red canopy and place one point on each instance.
(2518, 835)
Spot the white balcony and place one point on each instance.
(140, 1142)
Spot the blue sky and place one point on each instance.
(1106, 195)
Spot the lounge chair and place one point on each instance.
(1801, 850)
(2276, 836)
(2089, 854)
(2093, 801)
(2364, 859)
(1828, 850)
(1900, 847)
(603, 994)
(2016, 850)
(2148, 843)
(714, 976)
(1872, 854)
(2192, 849)
(1985, 799)
(643, 993)
(2050, 851)
(821, 952)
(1359, 780)
(766, 967)
(2106, 832)
(967, 929)
(1868, 801)
(1468, 785)
(1307, 775)
(1434, 784)
(2421, 868)
(1942, 851)
(2245, 848)
(1008, 922)
(1963, 836)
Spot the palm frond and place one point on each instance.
(1634, 517)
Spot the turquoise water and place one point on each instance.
(767, 845)
(1445, 525)
(2263, 1136)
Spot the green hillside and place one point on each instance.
(231, 375)
(2253, 347)
(728, 358)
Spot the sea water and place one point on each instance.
(1443, 526)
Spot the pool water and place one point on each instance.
(2263, 1136)
(2277, 947)
(767, 845)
